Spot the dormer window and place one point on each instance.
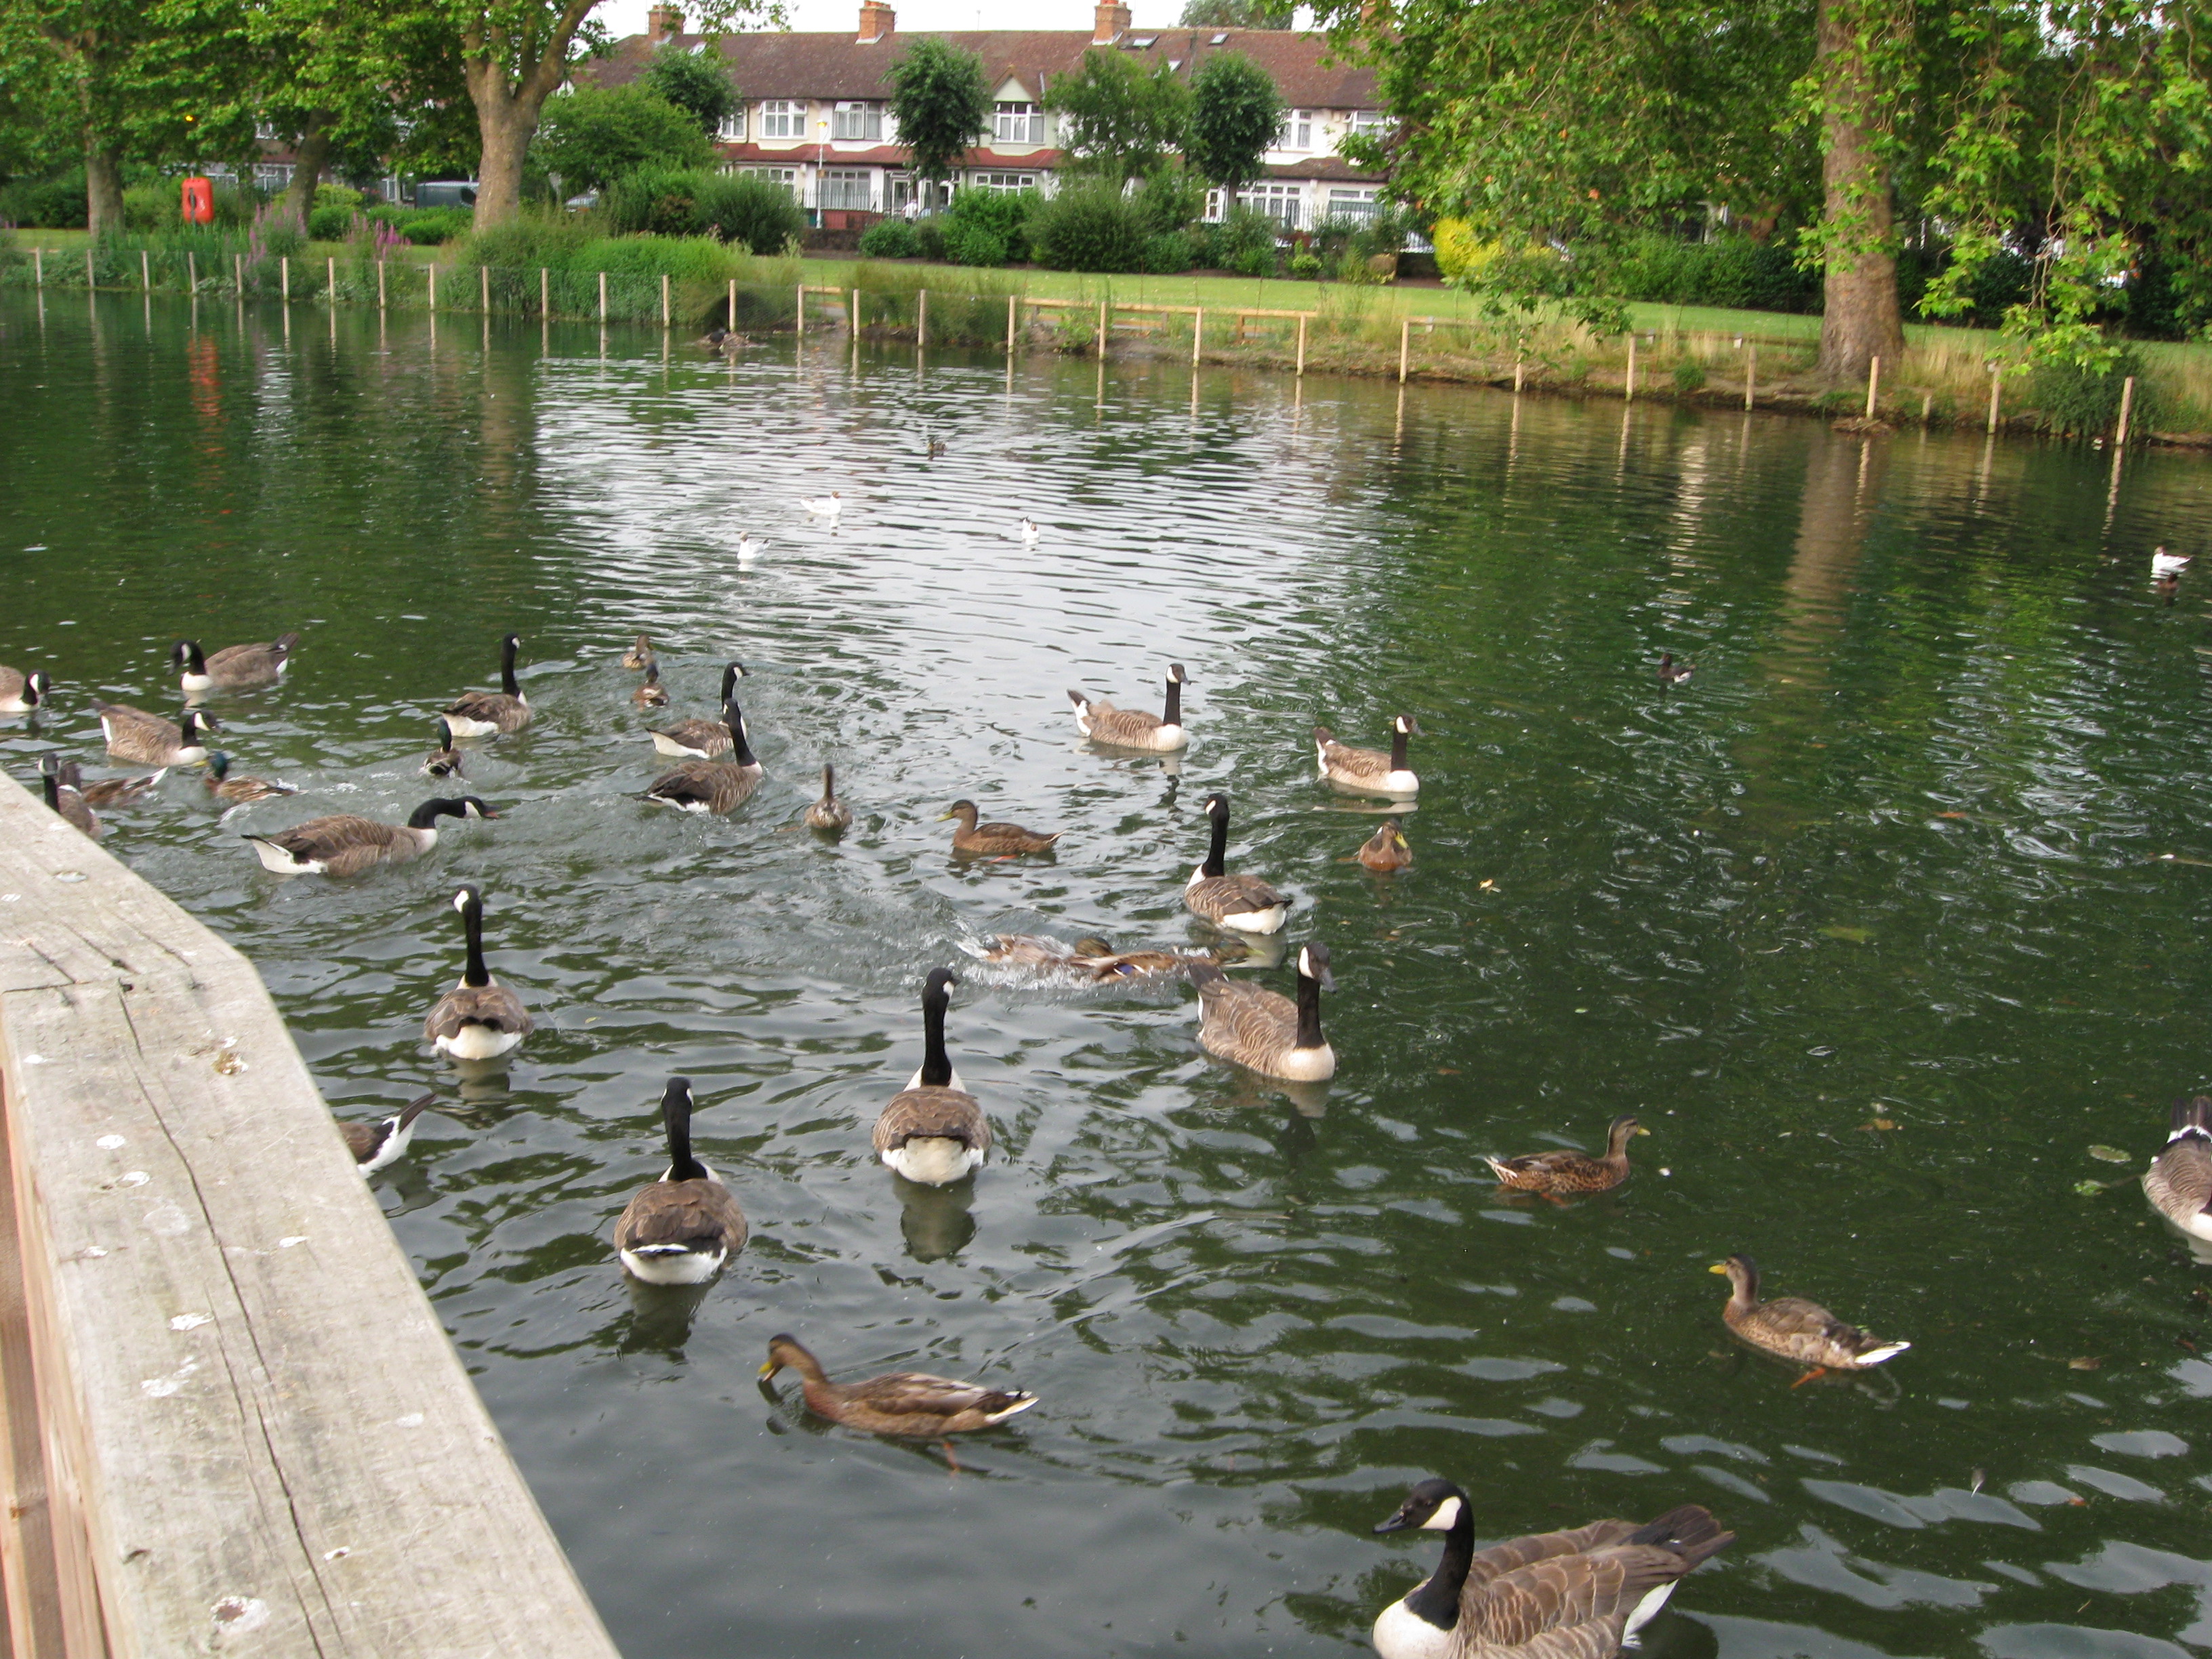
(857, 121)
(1018, 124)
(1301, 129)
(783, 117)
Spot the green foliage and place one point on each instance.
(942, 103)
(744, 208)
(929, 239)
(596, 134)
(1003, 213)
(328, 223)
(1168, 253)
(1305, 264)
(696, 82)
(1237, 14)
(2072, 398)
(1119, 120)
(152, 207)
(1236, 112)
(1244, 242)
(889, 238)
(974, 244)
(1171, 198)
(1689, 376)
(54, 203)
(1729, 270)
(1089, 227)
(654, 201)
(425, 227)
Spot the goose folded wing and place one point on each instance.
(1515, 1553)
(493, 1005)
(480, 705)
(689, 1215)
(1562, 1600)
(1361, 763)
(1236, 895)
(1257, 1019)
(930, 1113)
(2179, 1180)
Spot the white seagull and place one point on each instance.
(822, 506)
(1027, 530)
(2163, 563)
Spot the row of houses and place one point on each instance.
(815, 114)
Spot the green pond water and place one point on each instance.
(1882, 925)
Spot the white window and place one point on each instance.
(272, 175)
(854, 120)
(1279, 201)
(1019, 124)
(787, 177)
(1301, 129)
(1003, 180)
(783, 117)
(732, 130)
(848, 187)
(1347, 204)
(1370, 123)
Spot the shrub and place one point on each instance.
(1167, 253)
(1352, 267)
(1171, 200)
(1689, 376)
(889, 238)
(929, 239)
(1004, 213)
(747, 210)
(152, 206)
(972, 244)
(54, 203)
(328, 223)
(428, 226)
(1091, 226)
(1244, 242)
(1305, 264)
(2086, 401)
(1731, 270)
(654, 202)
(1459, 251)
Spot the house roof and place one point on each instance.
(838, 65)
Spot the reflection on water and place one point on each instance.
(1872, 925)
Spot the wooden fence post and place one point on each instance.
(284, 276)
(852, 320)
(88, 265)
(1873, 385)
(431, 271)
(664, 300)
(1751, 376)
(192, 272)
(484, 287)
(798, 327)
(38, 266)
(1302, 348)
(1628, 391)
(379, 284)
(145, 272)
(1520, 370)
(1405, 345)
(1101, 337)
(1197, 332)
(1996, 386)
(603, 299)
(544, 292)
(330, 278)
(2127, 407)
(729, 308)
(1012, 302)
(921, 319)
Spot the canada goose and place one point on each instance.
(1133, 728)
(822, 506)
(66, 801)
(702, 739)
(1561, 1594)
(1792, 1329)
(1672, 673)
(1566, 1171)
(478, 1018)
(2178, 1182)
(829, 814)
(933, 1131)
(1244, 903)
(232, 668)
(910, 1404)
(444, 761)
(375, 1144)
(652, 693)
(1026, 529)
(134, 735)
(640, 655)
(712, 786)
(2163, 563)
(487, 714)
(345, 845)
(1387, 850)
(110, 792)
(682, 1228)
(1005, 839)
(1369, 770)
(238, 791)
(20, 693)
(1264, 1030)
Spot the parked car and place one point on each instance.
(445, 193)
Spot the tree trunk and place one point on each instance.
(103, 189)
(1860, 319)
(507, 120)
(313, 155)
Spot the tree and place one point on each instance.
(594, 135)
(1117, 119)
(1236, 113)
(83, 55)
(941, 102)
(1237, 14)
(693, 80)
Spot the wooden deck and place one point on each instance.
(234, 1423)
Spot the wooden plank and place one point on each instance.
(250, 1410)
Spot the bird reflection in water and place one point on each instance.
(660, 1317)
(938, 1222)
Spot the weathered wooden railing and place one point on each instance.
(233, 1422)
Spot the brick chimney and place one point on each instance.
(1113, 23)
(663, 22)
(878, 20)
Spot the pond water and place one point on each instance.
(1880, 925)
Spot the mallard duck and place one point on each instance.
(1264, 1030)
(699, 740)
(2163, 563)
(444, 761)
(1244, 903)
(1369, 771)
(478, 1018)
(712, 786)
(652, 693)
(20, 693)
(234, 668)
(1387, 850)
(1574, 1594)
(933, 1131)
(823, 507)
(375, 1144)
(829, 814)
(238, 791)
(933, 448)
(640, 655)
(345, 845)
(487, 714)
(134, 735)
(1672, 673)
(65, 801)
(1005, 839)
(910, 1404)
(1569, 1171)
(1133, 728)
(683, 1227)
(110, 792)
(2178, 1182)
(1789, 1327)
